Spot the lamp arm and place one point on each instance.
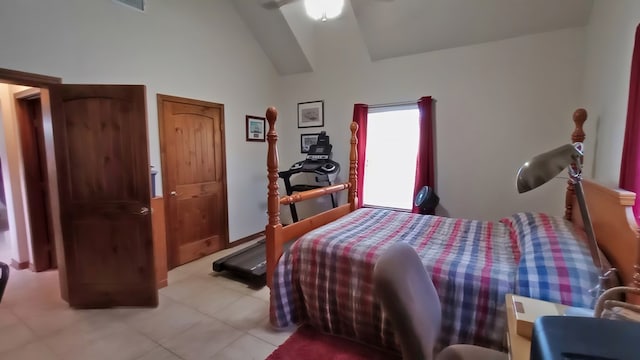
(586, 220)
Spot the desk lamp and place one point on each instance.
(545, 167)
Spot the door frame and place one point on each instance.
(43, 82)
(43, 249)
(172, 245)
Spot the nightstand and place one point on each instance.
(520, 346)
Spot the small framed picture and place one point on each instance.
(306, 140)
(311, 114)
(255, 128)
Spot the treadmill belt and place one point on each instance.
(249, 263)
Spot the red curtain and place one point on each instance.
(360, 112)
(425, 167)
(630, 167)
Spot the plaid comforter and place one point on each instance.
(325, 278)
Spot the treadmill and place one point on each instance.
(250, 263)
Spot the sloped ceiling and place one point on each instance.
(405, 27)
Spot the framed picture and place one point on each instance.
(306, 140)
(255, 128)
(311, 114)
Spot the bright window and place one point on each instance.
(392, 148)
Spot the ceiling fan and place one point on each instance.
(316, 9)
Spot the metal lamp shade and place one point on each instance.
(545, 167)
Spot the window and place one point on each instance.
(393, 134)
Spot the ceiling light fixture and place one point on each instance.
(323, 9)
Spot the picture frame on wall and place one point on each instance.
(255, 128)
(306, 140)
(311, 114)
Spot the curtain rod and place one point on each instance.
(402, 103)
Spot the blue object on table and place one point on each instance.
(584, 338)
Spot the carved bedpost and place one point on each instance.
(273, 196)
(274, 248)
(353, 168)
(579, 117)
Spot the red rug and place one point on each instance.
(309, 344)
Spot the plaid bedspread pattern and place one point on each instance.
(556, 264)
(326, 277)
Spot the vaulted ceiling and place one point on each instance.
(404, 27)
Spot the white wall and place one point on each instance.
(189, 48)
(610, 41)
(497, 105)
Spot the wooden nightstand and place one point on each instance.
(519, 346)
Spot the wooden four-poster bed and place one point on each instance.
(325, 278)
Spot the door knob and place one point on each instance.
(144, 210)
(173, 193)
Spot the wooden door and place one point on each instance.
(194, 177)
(29, 116)
(100, 138)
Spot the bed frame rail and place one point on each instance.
(314, 193)
(278, 235)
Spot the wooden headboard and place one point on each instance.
(611, 212)
(615, 228)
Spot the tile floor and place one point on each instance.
(202, 315)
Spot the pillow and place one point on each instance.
(554, 264)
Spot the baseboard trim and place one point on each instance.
(246, 239)
(20, 265)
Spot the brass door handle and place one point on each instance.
(173, 193)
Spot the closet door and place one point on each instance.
(194, 177)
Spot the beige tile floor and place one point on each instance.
(202, 315)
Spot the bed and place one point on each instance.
(325, 277)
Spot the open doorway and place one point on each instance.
(5, 250)
(98, 187)
(28, 107)
(28, 220)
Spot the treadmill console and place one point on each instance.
(321, 150)
(318, 161)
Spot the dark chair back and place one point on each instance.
(409, 299)
(4, 278)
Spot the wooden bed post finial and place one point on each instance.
(353, 167)
(579, 117)
(273, 197)
(578, 135)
